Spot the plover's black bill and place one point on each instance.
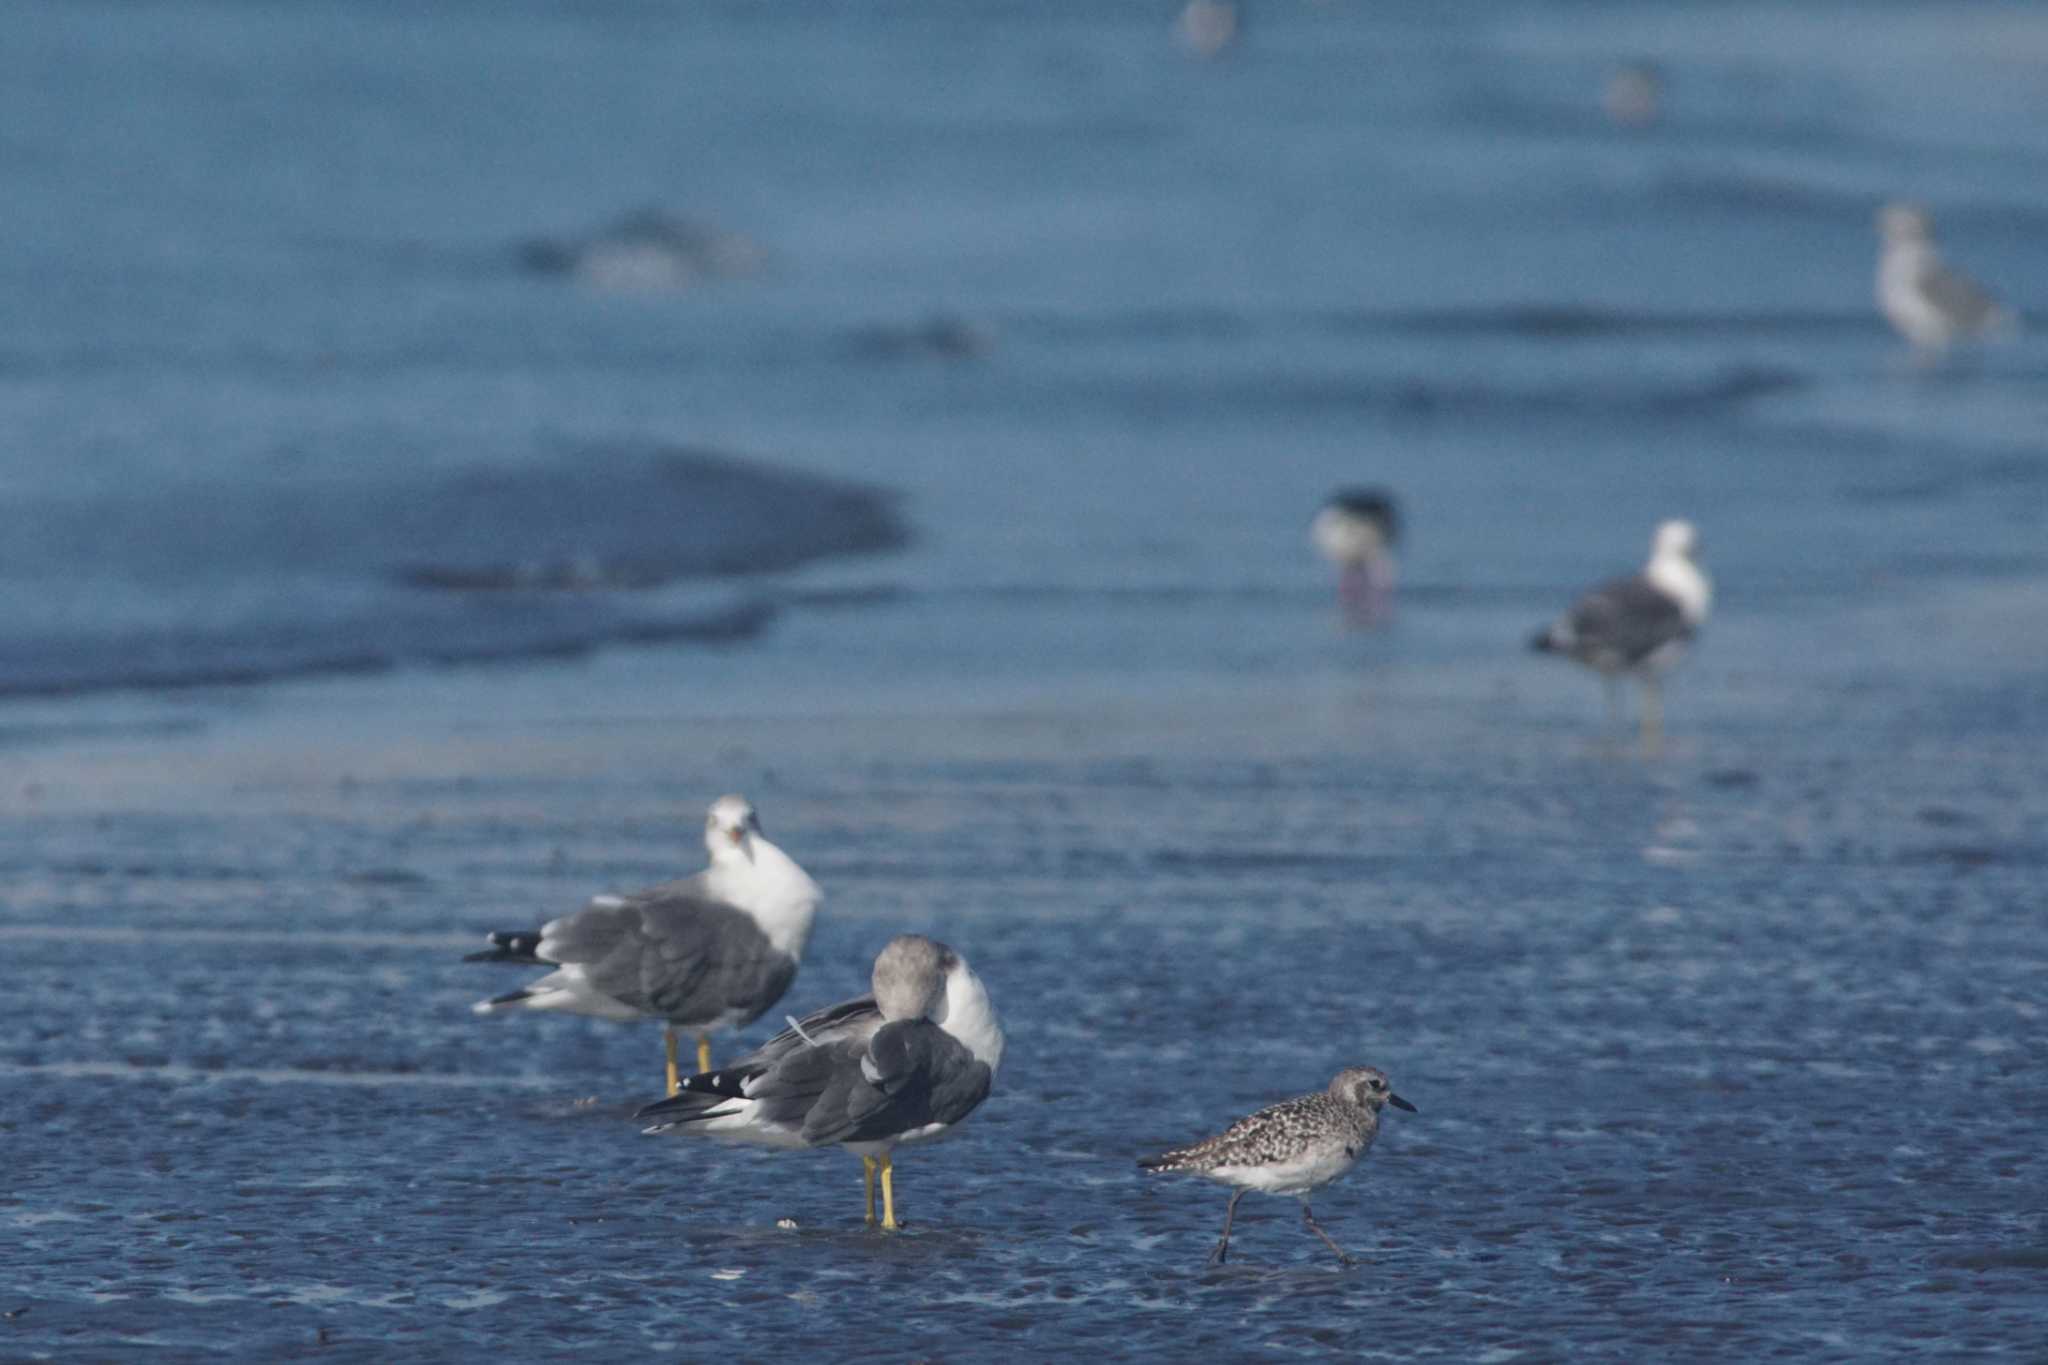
(1400, 1103)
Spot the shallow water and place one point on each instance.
(1733, 1053)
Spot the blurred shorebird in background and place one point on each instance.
(1356, 530)
(1639, 625)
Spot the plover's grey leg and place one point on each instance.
(1317, 1229)
(1653, 715)
(1222, 1250)
(1616, 722)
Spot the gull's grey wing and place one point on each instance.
(1956, 296)
(912, 1073)
(673, 953)
(1620, 623)
(852, 1020)
(787, 1073)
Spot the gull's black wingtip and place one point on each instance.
(729, 1085)
(521, 946)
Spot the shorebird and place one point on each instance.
(1356, 530)
(1929, 303)
(903, 1064)
(706, 953)
(1292, 1147)
(1638, 625)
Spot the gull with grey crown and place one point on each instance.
(903, 1064)
(1640, 624)
(706, 953)
(1927, 301)
(1292, 1147)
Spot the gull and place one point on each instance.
(1292, 1147)
(705, 953)
(1208, 28)
(1930, 304)
(1640, 624)
(1634, 95)
(1356, 530)
(903, 1064)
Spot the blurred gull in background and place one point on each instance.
(1930, 304)
(1640, 624)
(1634, 95)
(1208, 28)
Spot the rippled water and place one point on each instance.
(961, 527)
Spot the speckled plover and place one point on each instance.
(1292, 1147)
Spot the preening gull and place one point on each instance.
(1640, 624)
(705, 953)
(1356, 530)
(1292, 1147)
(1930, 304)
(903, 1064)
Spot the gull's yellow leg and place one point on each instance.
(889, 1223)
(675, 1082)
(703, 1053)
(867, 1166)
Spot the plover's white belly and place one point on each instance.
(1297, 1176)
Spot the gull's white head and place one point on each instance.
(1903, 222)
(730, 828)
(1675, 570)
(1675, 539)
(910, 976)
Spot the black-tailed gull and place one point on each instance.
(705, 953)
(1292, 1147)
(1929, 303)
(1356, 530)
(1640, 624)
(904, 1064)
